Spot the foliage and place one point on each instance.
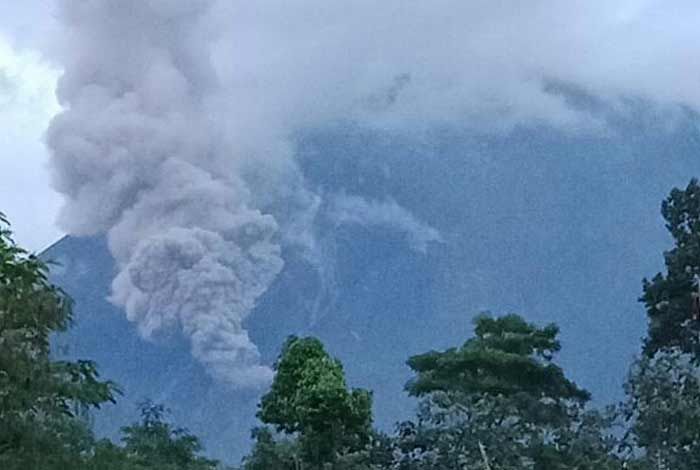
(663, 388)
(155, 443)
(667, 297)
(500, 398)
(663, 408)
(38, 395)
(309, 397)
(507, 357)
(270, 453)
(496, 402)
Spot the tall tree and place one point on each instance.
(669, 297)
(499, 400)
(37, 393)
(309, 397)
(663, 408)
(662, 390)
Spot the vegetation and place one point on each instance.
(664, 410)
(44, 402)
(668, 297)
(500, 395)
(309, 397)
(38, 396)
(497, 402)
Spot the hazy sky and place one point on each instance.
(394, 65)
(27, 102)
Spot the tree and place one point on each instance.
(309, 398)
(663, 408)
(499, 400)
(663, 388)
(271, 454)
(668, 297)
(38, 395)
(154, 443)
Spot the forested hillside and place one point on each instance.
(499, 400)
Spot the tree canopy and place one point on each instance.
(668, 297)
(37, 393)
(497, 401)
(309, 396)
(507, 356)
(500, 400)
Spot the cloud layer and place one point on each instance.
(489, 64)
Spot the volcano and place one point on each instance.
(556, 228)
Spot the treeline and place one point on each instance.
(497, 402)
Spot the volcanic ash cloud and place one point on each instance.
(136, 158)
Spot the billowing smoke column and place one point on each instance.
(136, 157)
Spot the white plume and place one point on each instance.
(136, 156)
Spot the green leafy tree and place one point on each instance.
(274, 452)
(663, 390)
(668, 297)
(106, 455)
(663, 408)
(270, 453)
(376, 454)
(500, 401)
(154, 443)
(38, 395)
(310, 398)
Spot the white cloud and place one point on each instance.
(479, 63)
(26, 104)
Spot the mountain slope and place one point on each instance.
(553, 226)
